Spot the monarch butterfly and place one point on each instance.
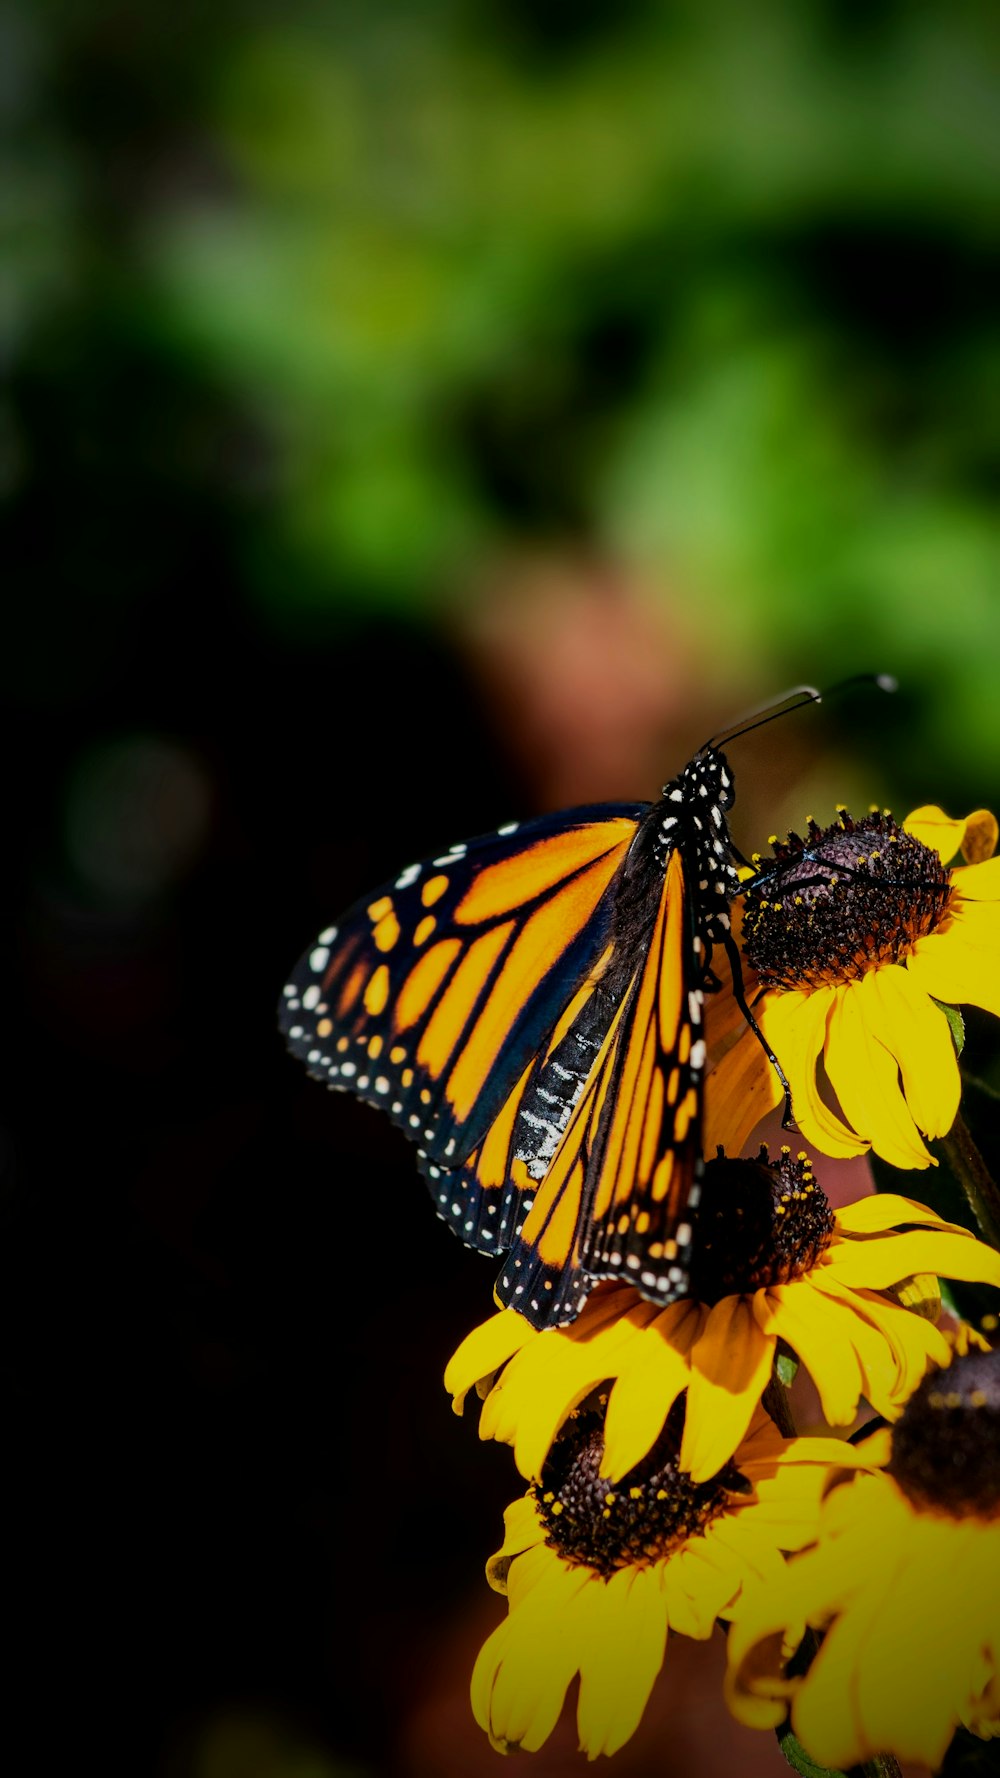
(528, 1006)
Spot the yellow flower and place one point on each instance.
(904, 1584)
(852, 935)
(595, 1575)
(773, 1263)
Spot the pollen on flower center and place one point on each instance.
(946, 1446)
(841, 901)
(642, 1518)
(760, 1222)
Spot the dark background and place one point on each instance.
(414, 418)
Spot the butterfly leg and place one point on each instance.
(739, 995)
(835, 869)
(735, 853)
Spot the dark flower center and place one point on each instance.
(760, 1222)
(840, 901)
(642, 1518)
(946, 1445)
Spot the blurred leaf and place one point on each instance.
(786, 1365)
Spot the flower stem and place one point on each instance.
(882, 1765)
(975, 1178)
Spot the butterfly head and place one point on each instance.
(706, 779)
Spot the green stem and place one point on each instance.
(975, 1178)
(881, 1765)
(884, 1765)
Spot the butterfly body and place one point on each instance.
(528, 1007)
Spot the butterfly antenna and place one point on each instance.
(794, 700)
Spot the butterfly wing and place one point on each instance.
(614, 1199)
(433, 995)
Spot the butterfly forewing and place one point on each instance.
(433, 995)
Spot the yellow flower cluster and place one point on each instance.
(663, 1496)
(902, 1583)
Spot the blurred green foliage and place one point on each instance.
(710, 288)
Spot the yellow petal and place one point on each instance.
(803, 1457)
(755, 1555)
(725, 1020)
(764, 1445)
(862, 1524)
(863, 1073)
(789, 1517)
(483, 1351)
(963, 1338)
(921, 1294)
(648, 1384)
(484, 1673)
(978, 882)
(908, 1684)
(622, 1639)
(795, 1025)
(894, 1348)
(881, 1211)
(532, 1666)
(975, 1568)
(820, 1333)
(546, 1380)
(982, 831)
(917, 1035)
(730, 1367)
(739, 1091)
(876, 1264)
(758, 1647)
(532, 1568)
(825, 1714)
(933, 828)
(522, 1529)
(699, 1581)
(961, 964)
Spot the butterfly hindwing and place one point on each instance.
(650, 1156)
(432, 995)
(613, 1202)
(486, 1199)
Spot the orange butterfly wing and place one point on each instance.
(614, 1197)
(435, 993)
